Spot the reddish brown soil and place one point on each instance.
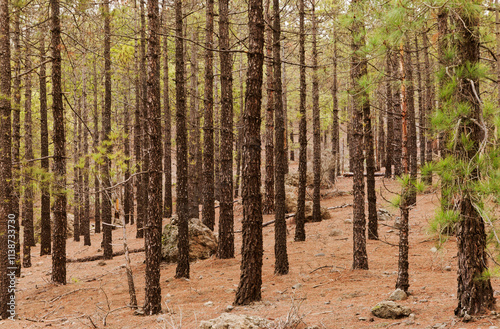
(330, 294)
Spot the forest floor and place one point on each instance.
(321, 288)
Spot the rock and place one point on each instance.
(202, 241)
(229, 308)
(467, 317)
(292, 179)
(447, 268)
(290, 199)
(235, 321)
(390, 310)
(397, 222)
(496, 293)
(398, 294)
(335, 232)
(348, 221)
(209, 303)
(383, 215)
(411, 319)
(320, 255)
(362, 318)
(297, 286)
(101, 263)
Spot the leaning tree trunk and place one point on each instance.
(249, 288)
(280, 250)
(182, 270)
(360, 103)
(59, 140)
(475, 293)
(300, 216)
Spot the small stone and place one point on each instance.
(492, 327)
(496, 293)
(447, 268)
(327, 303)
(361, 318)
(209, 303)
(101, 263)
(467, 317)
(493, 313)
(160, 319)
(390, 310)
(229, 291)
(297, 286)
(348, 221)
(398, 294)
(390, 231)
(335, 232)
(434, 249)
(229, 308)
(320, 255)
(168, 295)
(423, 301)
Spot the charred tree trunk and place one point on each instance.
(370, 173)
(300, 216)
(280, 250)
(268, 202)
(316, 211)
(152, 304)
(59, 140)
(475, 293)
(76, 170)
(208, 214)
(226, 220)
(182, 270)
(249, 288)
(167, 151)
(360, 103)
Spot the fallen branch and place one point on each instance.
(342, 206)
(98, 257)
(69, 293)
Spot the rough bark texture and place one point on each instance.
(239, 141)
(249, 288)
(106, 131)
(59, 140)
(412, 126)
(128, 200)
(225, 248)
(300, 217)
(335, 116)
(182, 270)
(429, 105)
(370, 173)
(45, 225)
(316, 210)
(76, 187)
(268, 202)
(360, 102)
(280, 250)
(475, 293)
(153, 227)
(396, 115)
(421, 105)
(86, 172)
(5, 160)
(97, 184)
(208, 214)
(167, 128)
(390, 118)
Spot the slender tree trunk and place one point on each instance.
(16, 131)
(412, 127)
(45, 225)
(29, 234)
(128, 201)
(216, 140)
(167, 152)
(106, 131)
(280, 250)
(59, 140)
(285, 104)
(316, 211)
(152, 305)
(86, 170)
(442, 26)
(397, 125)
(226, 220)
(300, 216)
(239, 141)
(381, 136)
(6, 221)
(76, 169)
(390, 118)
(429, 104)
(360, 104)
(137, 134)
(335, 115)
(208, 214)
(403, 277)
(475, 293)
(97, 200)
(182, 270)
(249, 288)
(370, 173)
(268, 202)
(421, 105)
(292, 142)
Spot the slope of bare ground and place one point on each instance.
(321, 288)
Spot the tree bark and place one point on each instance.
(86, 170)
(182, 270)
(412, 127)
(316, 210)
(397, 125)
(335, 115)
(208, 214)
(249, 288)
(167, 151)
(97, 184)
(421, 105)
(390, 118)
(429, 105)
(300, 217)
(59, 140)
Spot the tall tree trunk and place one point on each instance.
(403, 277)
(239, 128)
(249, 288)
(292, 142)
(360, 103)
(390, 117)
(128, 196)
(86, 170)
(268, 202)
(396, 115)
(6, 295)
(300, 216)
(152, 305)
(167, 151)
(381, 136)
(97, 184)
(194, 136)
(421, 105)
(216, 140)
(285, 104)
(335, 115)
(182, 270)
(442, 26)
(137, 133)
(45, 225)
(29, 234)
(316, 211)
(370, 172)
(412, 127)
(429, 105)
(208, 214)
(475, 293)
(16, 131)
(280, 250)
(226, 220)
(76, 170)
(106, 131)
(59, 140)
